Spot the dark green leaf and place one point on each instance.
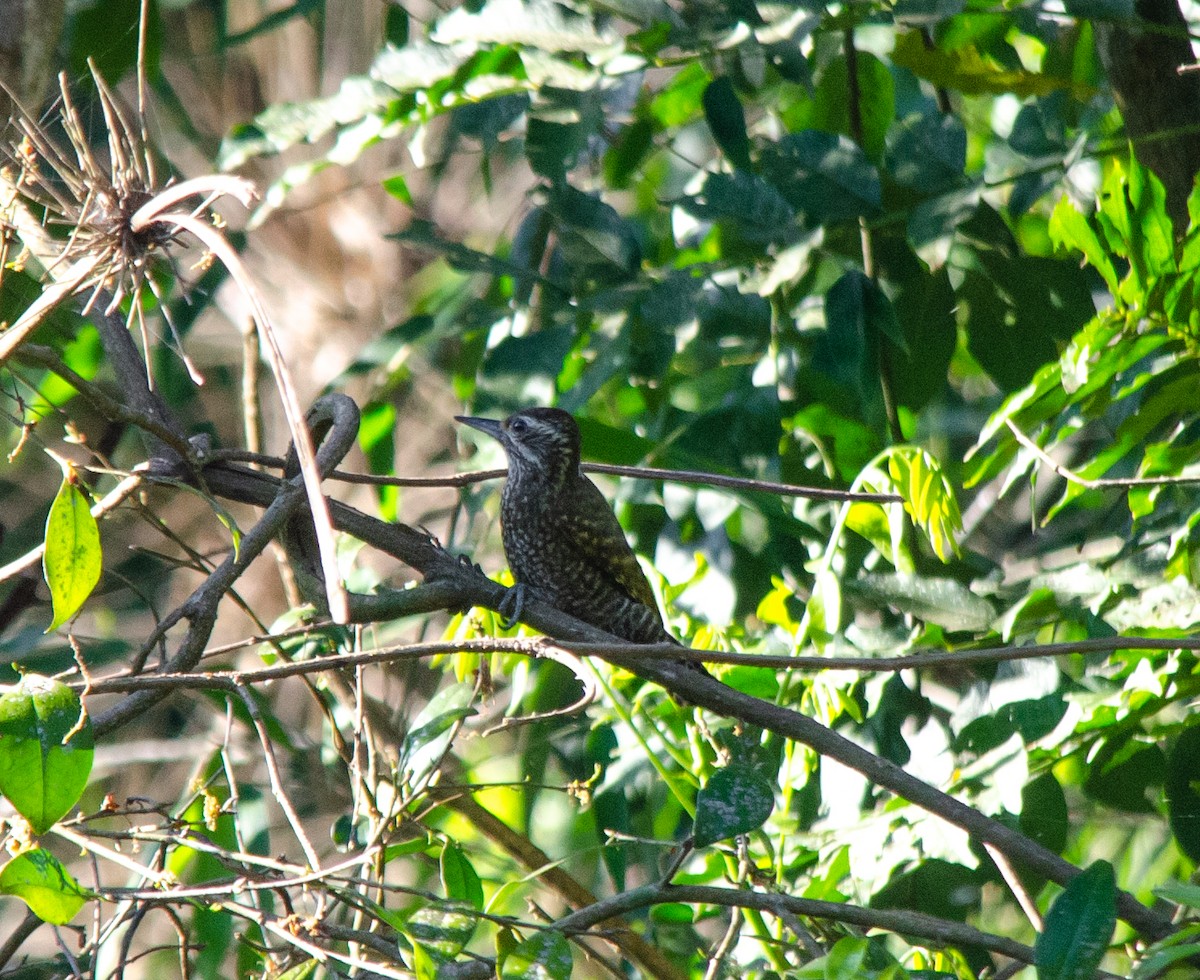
(594, 242)
(736, 800)
(1018, 309)
(459, 879)
(935, 887)
(1078, 926)
(746, 201)
(928, 152)
(825, 177)
(1044, 815)
(727, 121)
(1122, 773)
(1182, 790)
(106, 31)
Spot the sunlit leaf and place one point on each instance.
(72, 560)
(459, 878)
(545, 955)
(41, 882)
(965, 70)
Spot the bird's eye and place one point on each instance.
(518, 426)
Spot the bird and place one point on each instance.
(563, 543)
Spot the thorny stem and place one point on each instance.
(335, 592)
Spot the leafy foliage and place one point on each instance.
(886, 249)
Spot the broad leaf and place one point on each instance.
(41, 882)
(1078, 926)
(45, 750)
(736, 800)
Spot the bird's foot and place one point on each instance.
(511, 605)
(466, 562)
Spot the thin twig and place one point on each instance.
(610, 469)
(109, 502)
(545, 647)
(302, 439)
(1013, 880)
(1095, 483)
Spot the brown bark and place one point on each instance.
(1160, 104)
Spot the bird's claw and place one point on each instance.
(511, 605)
(466, 562)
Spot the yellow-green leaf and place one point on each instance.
(41, 882)
(71, 563)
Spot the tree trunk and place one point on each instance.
(1160, 105)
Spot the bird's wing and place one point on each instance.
(601, 539)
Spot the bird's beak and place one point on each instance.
(491, 426)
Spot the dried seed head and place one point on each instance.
(115, 216)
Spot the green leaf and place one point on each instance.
(1180, 787)
(1044, 815)
(632, 145)
(925, 305)
(459, 879)
(830, 110)
(736, 800)
(824, 176)
(928, 152)
(965, 70)
(1070, 229)
(727, 121)
(442, 929)
(433, 729)
(1017, 309)
(42, 771)
(1078, 926)
(561, 123)
(301, 971)
(594, 241)
(846, 351)
(928, 497)
(72, 560)
(41, 882)
(544, 955)
(1153, 237)
(1178, 946)
(1122, 773)
(397, 187)
(747, 202)
(377, 438)
(943, 601)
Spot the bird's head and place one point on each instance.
(540, 443)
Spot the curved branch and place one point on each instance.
(939, 931)
(200, 608)
(470, 586)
